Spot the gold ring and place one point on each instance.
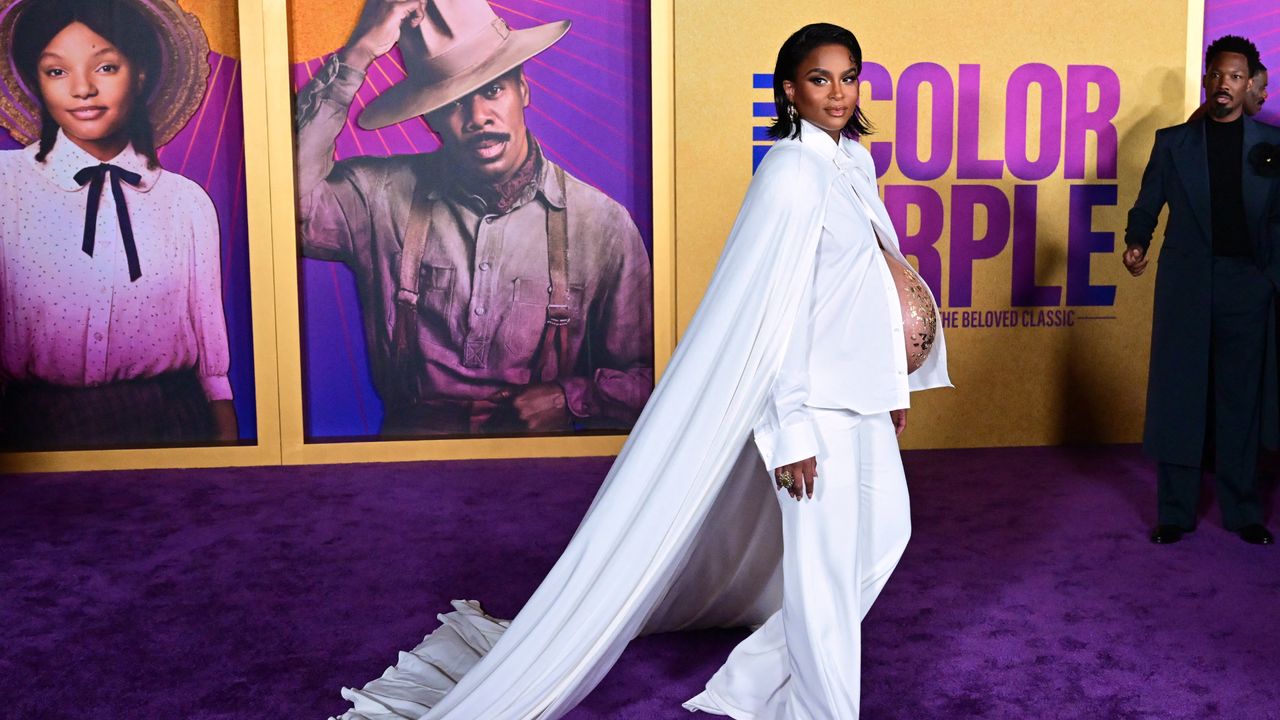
(786, 480)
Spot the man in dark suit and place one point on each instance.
(1211, 385)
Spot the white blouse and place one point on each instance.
(846, 350)
(70, 319)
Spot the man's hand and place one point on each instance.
(378, 29)
(803, 474)
(899, 418)
(1135, 260)
(540, 408)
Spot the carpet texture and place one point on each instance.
(1029, 590)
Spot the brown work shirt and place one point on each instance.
(483, 291)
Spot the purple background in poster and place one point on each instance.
(210, 151)
(1260, 22)
(589, 109)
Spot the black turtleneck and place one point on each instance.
(1225, 142)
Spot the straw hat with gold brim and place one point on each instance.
(458, 47)
(184, 62)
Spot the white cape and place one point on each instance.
(684, 531)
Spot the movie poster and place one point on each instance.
(474, 205)
(124, 277)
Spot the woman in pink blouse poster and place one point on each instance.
(112, 325)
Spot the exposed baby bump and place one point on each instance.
(919, 317)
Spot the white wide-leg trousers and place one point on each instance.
(839, 549)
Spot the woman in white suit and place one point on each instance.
(835, 408)
(808, 335)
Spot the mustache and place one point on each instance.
(1222, 93)
(476, 140)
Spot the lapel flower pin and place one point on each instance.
(1265, 159)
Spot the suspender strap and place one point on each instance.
(558, 259)
(551, 361)
(404, 334)
(415, 246)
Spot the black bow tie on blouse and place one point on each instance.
(94, 175)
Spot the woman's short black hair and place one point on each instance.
(1235, 44)
(790, 55)
(116, 20)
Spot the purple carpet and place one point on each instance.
(1029, 591)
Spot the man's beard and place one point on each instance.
(1221, 111)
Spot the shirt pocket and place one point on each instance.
(526, 319)
(435, 301)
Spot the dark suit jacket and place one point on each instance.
(1177, 175)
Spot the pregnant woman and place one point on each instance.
(829, 426)
(808, 334)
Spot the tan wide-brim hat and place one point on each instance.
(458, 47)
(184, 71)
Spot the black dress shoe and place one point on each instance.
(1256, 534)
(1167, 534)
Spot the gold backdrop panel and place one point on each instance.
(1024, 133)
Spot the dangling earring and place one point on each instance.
(791, 112)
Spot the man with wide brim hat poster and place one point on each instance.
(500, 294)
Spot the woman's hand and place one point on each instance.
(803, 474)
(226, 429)
(899, 418)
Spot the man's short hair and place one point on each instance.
(1235, 44)
(1261, 69)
